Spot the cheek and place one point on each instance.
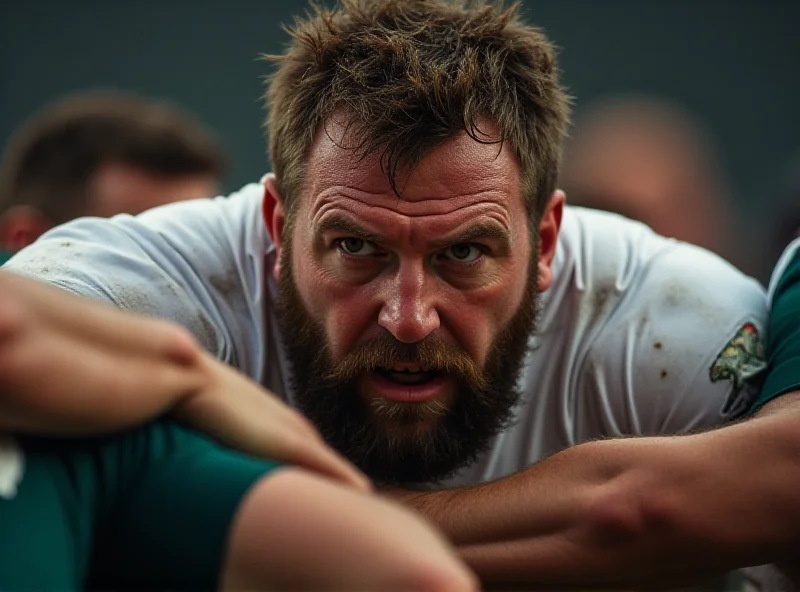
(476, 317)
(346, 312)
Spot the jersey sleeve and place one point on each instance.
(175, 262)
(147, 509)
(167, 525)
(683, 350)
(783, 344)
(46, 508)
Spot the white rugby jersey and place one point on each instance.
(639, 334)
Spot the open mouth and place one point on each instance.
(407, 384)
(408, 377)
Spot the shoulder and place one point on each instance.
(672, 334)
(183, 261)
(205, 223)
(608, 260)
(643, 271)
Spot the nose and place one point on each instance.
(408, 311)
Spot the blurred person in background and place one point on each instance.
(650, 161)
(101, 154)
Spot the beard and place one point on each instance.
(405, 442)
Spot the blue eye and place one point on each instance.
(356, 247)
(463, 252)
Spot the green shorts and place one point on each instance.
(148, 509)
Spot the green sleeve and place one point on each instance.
(169, 530)
(48, 497)
(148, 509)
(783, 334)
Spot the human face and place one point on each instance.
(406, 320)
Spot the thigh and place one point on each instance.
(169, 527)
(46, 508)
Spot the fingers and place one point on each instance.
(316, 456)
(74, 360)
(241, 414)
(295, 440)
(267, 429)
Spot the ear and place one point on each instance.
(549, 227)
(20, 226)
(274, 216)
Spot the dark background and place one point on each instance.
(734, 64)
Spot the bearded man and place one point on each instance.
(411, 279)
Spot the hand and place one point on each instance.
(71, 366)
(240, 414)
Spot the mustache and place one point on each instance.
(432, 354)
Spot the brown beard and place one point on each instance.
(367, 432)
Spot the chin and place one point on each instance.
(408, 430)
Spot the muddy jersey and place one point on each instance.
(638, 335)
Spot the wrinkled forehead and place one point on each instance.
(448, 168)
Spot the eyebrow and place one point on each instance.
(485, 230)
(344, 225)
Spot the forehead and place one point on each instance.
(459, 169)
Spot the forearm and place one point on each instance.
(633, 512)
(298, 531)
(70, 365)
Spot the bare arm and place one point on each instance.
(632, 512)
(71, 366)
(296, 531)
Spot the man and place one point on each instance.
(101, 154)
(160, 507)
(410, 279)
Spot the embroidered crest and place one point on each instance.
(741, 360)
(12, 465)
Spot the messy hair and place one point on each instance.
(410, 74)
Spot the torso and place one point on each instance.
(628, 334)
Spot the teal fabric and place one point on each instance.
(783, 336)
(149, 509)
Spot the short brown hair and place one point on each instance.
(49, 161)
(410, 74)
